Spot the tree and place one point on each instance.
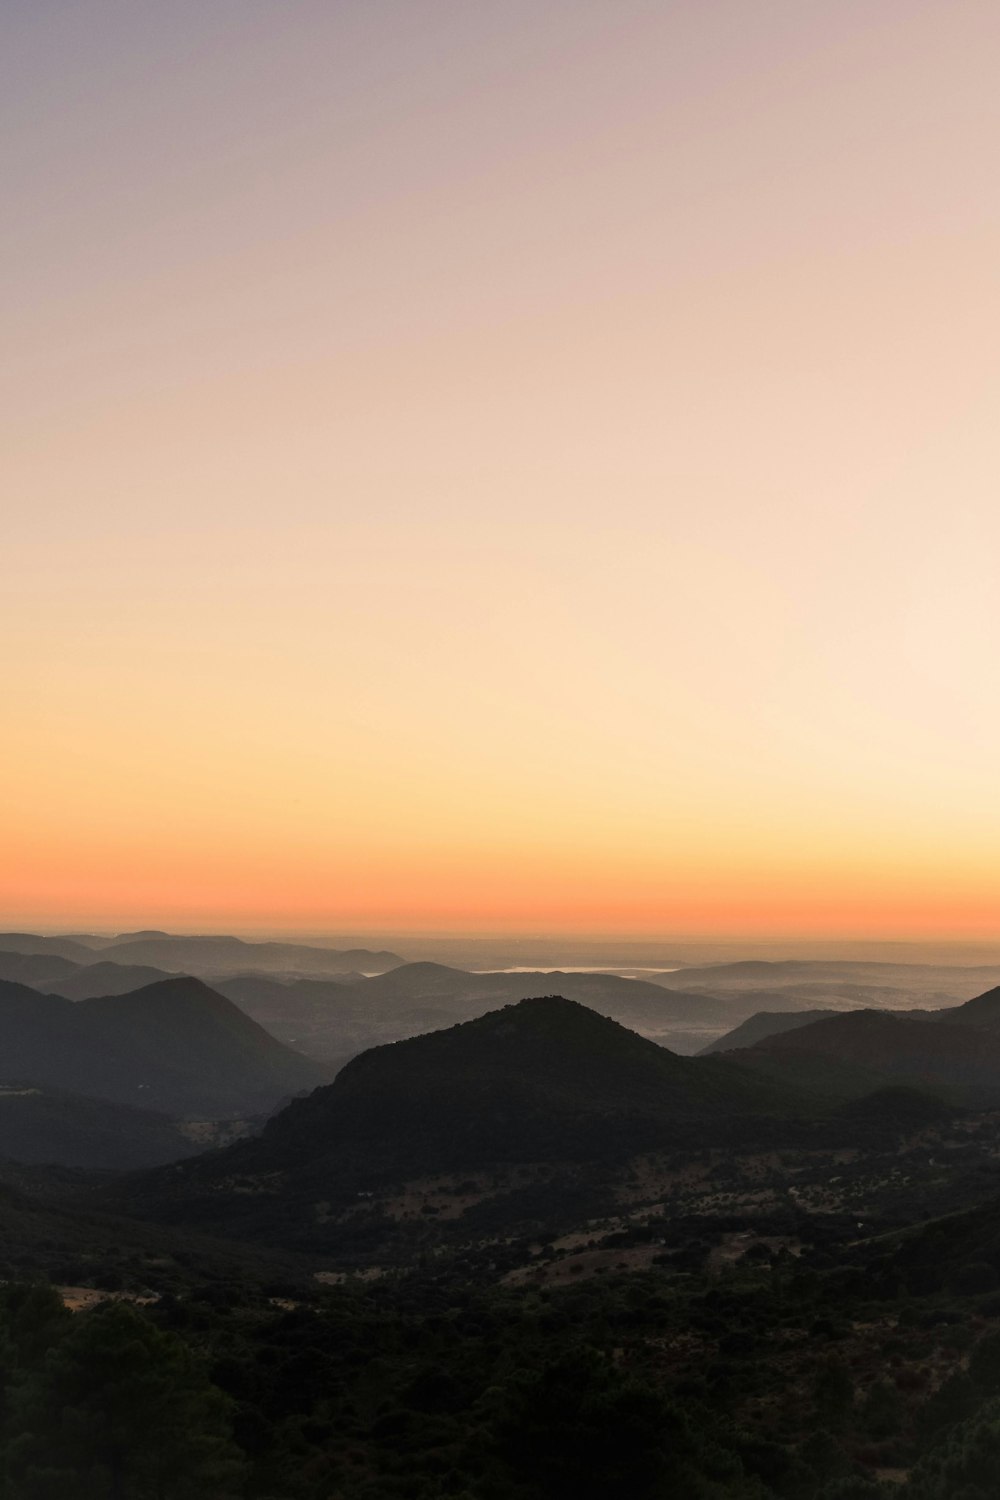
(965, 1465)
(834, 1394)
(581, 1430)
(122, 1411)
(882, 1410)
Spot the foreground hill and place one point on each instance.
(49, 1229)
(541, 1081)
(175, 1046)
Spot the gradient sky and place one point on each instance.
(526, 465)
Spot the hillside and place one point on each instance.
(762, 1024)
(319, 1017)
(896, 1108)
(545, 1080)
(981, 1011)
(338, 1019)
(176, 1047)
(46, 1125)
(35, 968)
(48, 1229)
(857, 1050)
(61, 947)
(103, 978)
(183, 1026)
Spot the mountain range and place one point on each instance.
(543, 1080)
(954, 1051)
(201, 955)
(332, 1020)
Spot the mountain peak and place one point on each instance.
(545, 1079)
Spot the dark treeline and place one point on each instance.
(426, 1387)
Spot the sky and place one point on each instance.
(501, 467)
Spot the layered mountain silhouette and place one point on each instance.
(437, 984)
(198, 954)
(175, 1046)
(982, 1011)
(837, 983)
(104, 978)
(30, 942)
(763, 1024)
(540, 1081)
(206, 956)
(338, 1019)
(858, 1051)
(36, 968)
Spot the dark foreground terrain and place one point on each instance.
(534, 1255)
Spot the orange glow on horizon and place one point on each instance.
(519, 468)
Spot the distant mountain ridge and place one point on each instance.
(853, 980)
(216, 955)
(35, 968)
(333, 1019)
(104, 978)
(203, 955)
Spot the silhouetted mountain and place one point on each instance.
(225, 955)
(320, 1017)
(104, 978)
(47, 1125)
(633, 1001)
(35, 968)
(983, 1011)
(30, 942)
(852, 981)
(856, 1051)
(175, 1046)
(337, 1020)
(182, 1025)
(762, 1024)
(542, 1080)
(135, 937)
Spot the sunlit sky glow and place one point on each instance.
(528, 465)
